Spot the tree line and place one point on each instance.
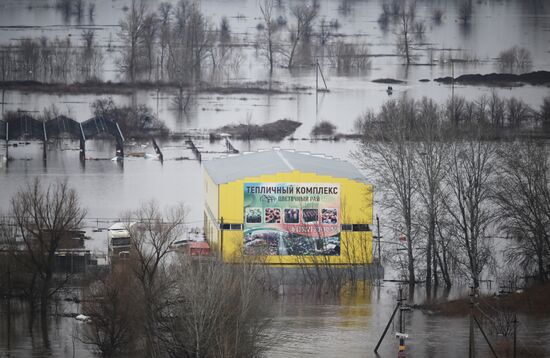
(178, 43)
(451, 195)
(58, 60)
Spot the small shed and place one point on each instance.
(199, 248)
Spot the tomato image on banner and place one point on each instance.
(292, 219)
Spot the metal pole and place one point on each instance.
(221, 237)
(401, 325)
(378, 234)
(485, 336)
(387, 327)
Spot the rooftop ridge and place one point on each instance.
(232, 167)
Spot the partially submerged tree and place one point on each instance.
(304, 15)
(389, 148)
(470, 181)
(430, 170)
(219, 310)
(406, 31)
(465, 11)
(132, 31)
(114, 310)
(45, 216)
(153, 231)
(268, 43)
(544, 115)
(523, 199)
(515, 59)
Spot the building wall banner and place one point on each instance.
(292, 219)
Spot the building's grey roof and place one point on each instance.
(252, 164)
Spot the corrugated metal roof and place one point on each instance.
(252, 164)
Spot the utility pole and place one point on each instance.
(397, 306)
(400, 334)
(221, 238)
(378, 237)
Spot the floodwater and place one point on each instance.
(303, 325)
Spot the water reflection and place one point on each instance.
(23, 333)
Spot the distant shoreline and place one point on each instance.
(126, 88)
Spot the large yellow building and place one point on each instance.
(285, 207)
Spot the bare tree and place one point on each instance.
(150, 30)
(113, 307)
(44, 217)
(152, 234)
(406, 31)
(267, 42)
(190, 44)
(544, 114)
(218, 310)
(132, 30)
(78, 9)
(430, 170)
(469, 182)
(348, 56)
(518, 112)
(515, 59)
(465, 10)
(304, 15)
(164, 10)
(91, 58)
(9, 266)
(91, 12)
(390, 150)
(524, 210)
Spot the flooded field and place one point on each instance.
(303, 325)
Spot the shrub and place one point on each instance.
(323, 128)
